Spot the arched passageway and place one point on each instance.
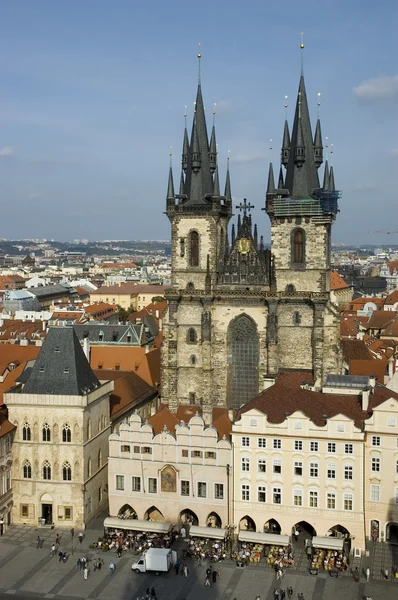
(272, 526)
(213, 520)
(247, 524)
(153, 514)
(127, 512)
(188, 517)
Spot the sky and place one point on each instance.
(92, 96)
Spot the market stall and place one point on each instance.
(276, 548)
(122, 535)
(207, 542)
(328, 553)
(137, 525)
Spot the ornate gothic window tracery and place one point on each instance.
(66, 433)
(27, 470)
(66, 472)
(46, 433)
(26, 432)
(46, 470)
(244, 352)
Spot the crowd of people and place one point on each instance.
(330, 560)
(123, 541)
(206, 549)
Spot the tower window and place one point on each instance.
(290, 289)
(298, 247)
(296, 318)
(194, 249)
(192, 337)
(193, 359)
(190, 287)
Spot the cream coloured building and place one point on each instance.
(60, 450)
(170, 470)
(7, 432)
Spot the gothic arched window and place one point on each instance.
(27, 470)
(26, 432)
(46, 433)
(66, 433)
(243, 349)
(290, 289)
(298, 247)
(194, 249)
(89, 467)
(89, 429)
(99, 458)
(190, 287)
(46, 470)
(66, 472)
(192, 337)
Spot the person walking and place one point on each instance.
(100, 563)
(290, 591)
(153, 594)
(57, 540)
(177, 567)
(52, 550)
(85, 572)
(367, 574)
(64, 557)
(80, 536)
(112, 568)
(185, 569)
(59, 556)
(207, 581)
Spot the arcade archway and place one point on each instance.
(153, 514)
(272, 526)
(247, 524)
(188, 517)
(213, 520)
(127, 512)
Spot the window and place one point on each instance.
(277, 495)
(396, 467)
(66, 472)
(192, 359)
(184, 453)
(89, 505)
(192, 398)
(296, 318)
(298, 445)
(202, 489)
(89, 429)
(298, 469)
(391, 422)
(192, 337)
(46, 470)
(196, 453)
(245, 464)
(375, 493)
(89, 467)
(349, 448)
(298, 424)
(261, 493)
(298, 250)
(314, 446)
(152, 485)
(277, 444)
(246, 442)
(136, 484)
(27, 470)
(245, 492)
(253, 422)
(26, 433)
(347, 501)
(68, 513)
(277, 466)
(313, 499)
(210, 455)
(185, 488)
(376, 440)
(262, 442)
(331, 471)
(120, 482)
(331, 447)
(219, 491)
(66, 433)
(331, 501)
(46, 433)
(262, 465)
(136, 449)
(99, 457)
(193, 245)
(348, 472)
(146, 450)
(24, 511)
(396, 495)
(375, 464)
(298, 497)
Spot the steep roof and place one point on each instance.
(130, 288)
(286, 397)
(164, 417)
(355, 350)
(380, 319)
(61, 367)
(337, 282)
(129, 390)
(392, 298)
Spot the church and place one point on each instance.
(240, 312)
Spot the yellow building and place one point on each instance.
(127, 295)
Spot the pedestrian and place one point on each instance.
(208, 572)
(356, 574)
(177, 567)
(64, 557)
(52, 550)
(276, 594)
(112, 568)
(282, 594)
(100, 563)
(385, 573)
(218, 572)
(207, 581)
(80, 536)
(153, 593)
(214, 576)
(185, 569)
(85, 573)
(59, 556)
(79, 564)
(38, 542)
(367, 574)
(57, 539)
(290, 591)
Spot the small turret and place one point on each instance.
(255, 236)
(332, 185)
(196, 159)
(170, 186)
(281, 184)
(326, 177)
(285, 145)
(213, 150)
(227, 192)
(318, 147)
(216, 191)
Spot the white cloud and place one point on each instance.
(244, 159)
(378, 89)
(7, 151)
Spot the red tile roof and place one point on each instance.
(337, 282)
(392, 298)
(185, 412)
(380, 319)
(129, 390)
(286, 397)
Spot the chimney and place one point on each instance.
(157, 313)
(231, 415)
(372, 382)
(365, 399)
(86, 348)
(147, 349)
(43, 325)
(160, 324)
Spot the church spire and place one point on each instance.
(213, 144)
(281, 184)
(185, 145)
(285, 145)
(182, 183)
(227, 192)
(301, 173)
(271, 180)
(326, 177)
(318, 147)
(332, 185)
(170, 185)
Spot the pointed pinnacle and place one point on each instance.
(216, 191)
(271, 180)
(326, 177)
(170, 187)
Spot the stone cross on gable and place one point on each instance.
(245, 207)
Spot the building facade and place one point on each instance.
(240, 313)
(7, 432)
(162, 474)
(61, 413)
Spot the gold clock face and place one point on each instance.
(244, 245)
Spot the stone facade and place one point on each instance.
(7, 432)
(77, 429)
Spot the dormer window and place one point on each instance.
(101, 336)
(41, 369)
(66, 369)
